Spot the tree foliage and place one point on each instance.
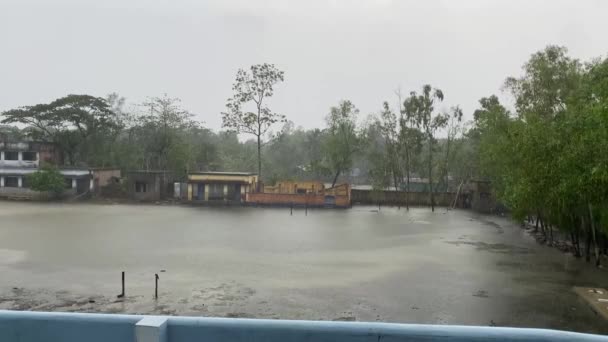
(47, 179)
(341, 142)
(253, 87)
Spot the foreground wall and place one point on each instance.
(400, 197)
(18, 326)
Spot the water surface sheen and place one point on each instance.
(453, 267)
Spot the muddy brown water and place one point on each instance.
(453, 267)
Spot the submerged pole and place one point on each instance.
(122, 293)
(291, 209)
(155, 285)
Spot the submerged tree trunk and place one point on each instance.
(259, 164)
(587, 240)
(407, 184)
(592, 225)
(335, 179)
(432, 198)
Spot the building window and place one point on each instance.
(141, 187)
(11, 155)
(68, 183)
(24, 182)
(29, 156)
(11, 182)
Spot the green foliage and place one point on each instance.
(74, 122)
(47, 179)
(420, 108)
(342, 141)
(545, 160)
(253, 87)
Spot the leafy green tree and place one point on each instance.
(390, 131)
(341, 142)
(255, 86)
(70, 121)
(422, 109)
(47, 179)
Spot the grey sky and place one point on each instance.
(330, 50)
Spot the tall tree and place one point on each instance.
(410, 138)
(423, 108)
(454, 129)
(254, 87)
(389, 126)
(70, 121)
(161, 131)
(342, 141)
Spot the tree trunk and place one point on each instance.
(592, 225)
(335, 179)
(577, 252)
(407, 185)
(587, 240)
(395, 180)
(259, 164)
(431, 174)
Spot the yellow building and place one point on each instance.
(291, 187)
(220, 186)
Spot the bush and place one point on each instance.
(47, 179)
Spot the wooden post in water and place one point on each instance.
(291, 209)
(122, 294)
(155, 285)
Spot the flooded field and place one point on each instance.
(453, 267)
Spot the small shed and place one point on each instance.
(150, 185)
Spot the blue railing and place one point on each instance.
(24, 326)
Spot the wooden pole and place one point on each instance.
(291, 209)
(156, 286)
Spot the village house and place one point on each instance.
(20, 159)
(220, 186)
(145, 185)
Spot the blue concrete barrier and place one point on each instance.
(23, 326)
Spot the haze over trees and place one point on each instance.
(545, 156)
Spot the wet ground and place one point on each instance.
(453, 267)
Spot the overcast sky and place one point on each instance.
(361, 50)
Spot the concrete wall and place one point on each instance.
(400, 197)
(23, 326)
(160, 185)
(22, 193)
(103, 177)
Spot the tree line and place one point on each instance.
(160, 134)
(545, 155)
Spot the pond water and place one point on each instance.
(416, 266)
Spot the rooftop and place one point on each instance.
(223, 173)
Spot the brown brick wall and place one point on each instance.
(299, 200)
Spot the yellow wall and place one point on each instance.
(223, 178)
(290, 187)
